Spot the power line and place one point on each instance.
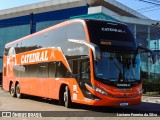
(150, 2)
(155, 1)
(149, 10)
(155, 6)
(145, 8)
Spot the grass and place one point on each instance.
(152, 93)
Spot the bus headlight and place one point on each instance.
(99, 90)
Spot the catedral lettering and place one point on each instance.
(56, 68)
(34, 57)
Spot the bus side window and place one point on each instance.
(43, 70)
(84, 67)
(75, 67)
(52, 69)
(61, 70)
(31, 70)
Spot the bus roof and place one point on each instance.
(62, 24)
(45, 30)
(109, 21)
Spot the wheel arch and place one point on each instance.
(62, 89)
(17, 82)
(10, 83)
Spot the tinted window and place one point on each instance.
(75, 31)
(85, 69)
(56, 38)
(20, 71)
(52, 69)
(108, 34)
(108, 31)
(43, 70)
(75, 67)
(31, 70)
(61, 70)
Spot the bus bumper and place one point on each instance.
(119, 101)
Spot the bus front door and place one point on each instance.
(81, 72)
(84, 76)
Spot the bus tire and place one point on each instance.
(12, 90)
(67, 98)
(18, 91)
(61, 95)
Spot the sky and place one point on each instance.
(149, 10)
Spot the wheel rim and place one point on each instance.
(12, 89)
(65, 95)
(17, 91)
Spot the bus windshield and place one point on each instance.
(118, 67)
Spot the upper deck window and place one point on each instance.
(108, 35)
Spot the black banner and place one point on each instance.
(74, 114)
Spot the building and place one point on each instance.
(21, 21)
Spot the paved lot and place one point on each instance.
(30, 104)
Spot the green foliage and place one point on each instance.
(151, 83)
(151, 86)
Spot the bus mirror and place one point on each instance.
(152, 53)
(96, 52)
(95, 48)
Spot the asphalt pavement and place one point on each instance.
(52, 109)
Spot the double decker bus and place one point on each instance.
(86, 61)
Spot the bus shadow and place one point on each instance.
(144, 107)
(41, 99)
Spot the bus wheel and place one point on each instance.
(67, 98)
(18, 92)
(12, 90)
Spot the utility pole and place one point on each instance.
(148, 40)
(156, 45)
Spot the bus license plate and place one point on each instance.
(124, 104)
